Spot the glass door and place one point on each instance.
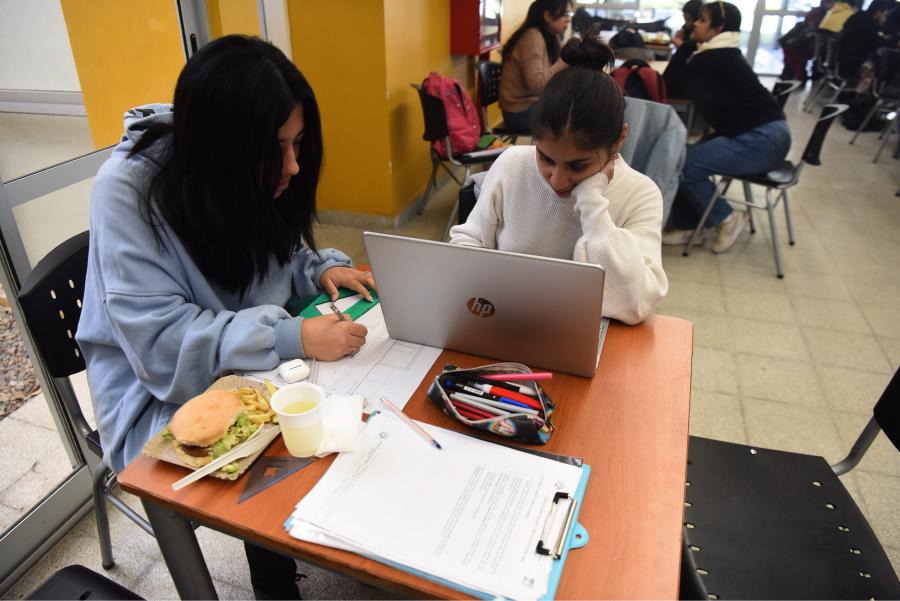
(771, 20)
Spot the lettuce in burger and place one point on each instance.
(208, 426)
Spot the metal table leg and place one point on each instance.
(181, 552)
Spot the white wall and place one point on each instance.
(34, 47)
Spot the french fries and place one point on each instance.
(256, 404)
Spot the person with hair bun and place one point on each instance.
(571, 196)
(751, 133)
(531, 57)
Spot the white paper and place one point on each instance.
(471, 513)
(382, 367)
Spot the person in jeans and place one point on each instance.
(530, 59)
(751, 133)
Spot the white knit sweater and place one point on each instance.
(612, 224)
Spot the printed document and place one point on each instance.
(470, 514)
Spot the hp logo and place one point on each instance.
(480, 307)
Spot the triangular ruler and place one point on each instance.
(266, 471)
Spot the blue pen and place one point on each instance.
(480, 393)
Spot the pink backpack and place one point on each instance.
(462, 116)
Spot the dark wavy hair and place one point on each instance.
(582, 100)
(723, 14)
(535, 18)
(221, 162)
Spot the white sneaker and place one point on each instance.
(728, 231)
(681, 237)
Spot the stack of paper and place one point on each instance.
(469, 515)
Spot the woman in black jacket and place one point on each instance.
(752, 135)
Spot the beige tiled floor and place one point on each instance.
(794, 364)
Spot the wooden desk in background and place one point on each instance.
(629, 422)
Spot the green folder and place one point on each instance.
(355, 311)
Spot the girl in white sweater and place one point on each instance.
(571, 196)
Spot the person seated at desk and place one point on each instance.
(530, 59)
(571, 196)
(861, 37)
(752, 135)
(837, 15)
(201, 231)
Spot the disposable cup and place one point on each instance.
(299, 410)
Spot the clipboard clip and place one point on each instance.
(556, 527)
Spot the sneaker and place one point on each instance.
(728, 231)
(681, 237)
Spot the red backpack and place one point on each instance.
(639, 80)
(462, 116)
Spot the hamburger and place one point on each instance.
(208, 426)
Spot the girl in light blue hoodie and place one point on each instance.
(201, 232)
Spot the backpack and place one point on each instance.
(639, 80)
(462, 116)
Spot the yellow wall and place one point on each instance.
(339, 47)
(232, 16)
(126, 54)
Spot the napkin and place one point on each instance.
(341, 423)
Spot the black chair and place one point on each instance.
(488, 94)
(783, 88)
(764, 524)
(886, 90)
(51, 303)
(436, 129)
(78, 582)
(780, 179)
(832, 79)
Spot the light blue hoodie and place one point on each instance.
(154, 331)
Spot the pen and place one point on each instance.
(470, 411)
(500, 392)
(512, 406)
(538, 375)
(337, 311)
(521, 389)
(459, 387)
(460, 398)
(411, 424)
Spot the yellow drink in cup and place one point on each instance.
(299, 410)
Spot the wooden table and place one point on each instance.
(629, 422)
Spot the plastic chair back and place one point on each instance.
(887, 410)
(434, 114)
(488, 82)
(887, 72)
(814, 147)
(51, 302)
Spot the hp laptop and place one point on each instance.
(543, 312)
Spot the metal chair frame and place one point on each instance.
(779, 180)
(831, 78)
(51, 303)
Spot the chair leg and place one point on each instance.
(787, 217)
(886, 136)
(813, 94)
(432, 184)
(720, 189)
(865, 122)
(770, 209)
(748, 196)
(100, 477)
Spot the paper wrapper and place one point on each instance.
(160, 448)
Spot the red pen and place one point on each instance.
(516, 377)
(510, 394)
(471, 412)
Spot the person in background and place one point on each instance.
(798, 44)
(837, 15)
(571, 196)
(691, 12)
(861, 36)
(201, 231)
(751, 133)
(530, 59)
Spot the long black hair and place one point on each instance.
(583, 100)
(535, 18)
(222, 162)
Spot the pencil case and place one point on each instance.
(459, 393)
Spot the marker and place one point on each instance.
(459, 387)
(517, 377)
(525, 390)
(510, 405)
(510, 394)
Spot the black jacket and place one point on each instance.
(858, 41)
(723, 88)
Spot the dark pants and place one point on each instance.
(521, 120)
(273, 576)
